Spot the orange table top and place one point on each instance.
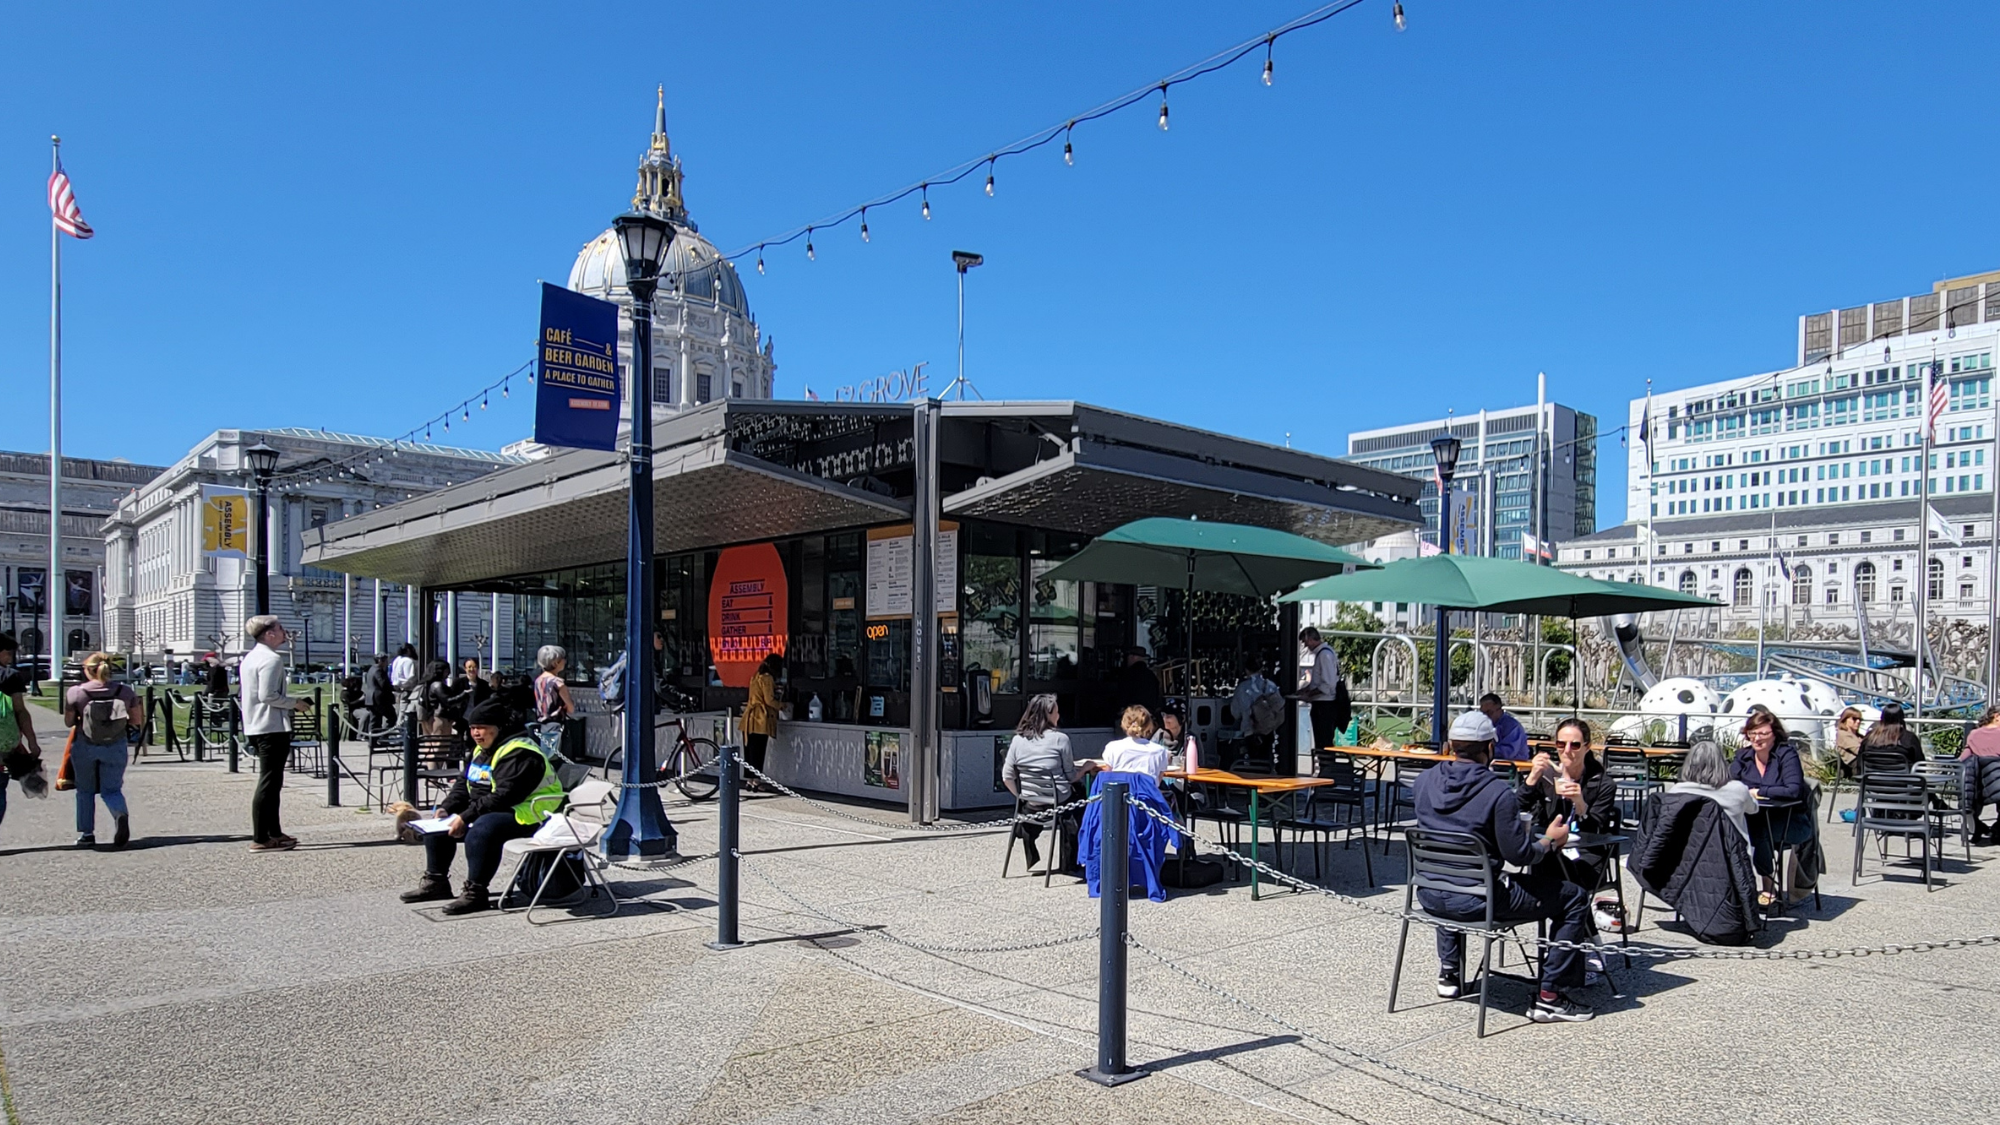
(1261, 784)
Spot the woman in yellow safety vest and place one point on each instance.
(507, 791)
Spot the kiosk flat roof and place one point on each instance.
(742, 471)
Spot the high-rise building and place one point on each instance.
(1496, 466)
(1841, 428)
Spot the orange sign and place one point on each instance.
(747, 605)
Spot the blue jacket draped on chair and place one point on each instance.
(1147, 838)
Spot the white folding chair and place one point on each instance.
(585, 814)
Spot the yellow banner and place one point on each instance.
(225, 524)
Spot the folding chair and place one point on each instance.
(595, 798)
(1442, 861)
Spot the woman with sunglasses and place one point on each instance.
(1574, 787)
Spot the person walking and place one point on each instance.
(267, 721)
(103, 713)
(760, 717)
(1322, 689)
(17, 726)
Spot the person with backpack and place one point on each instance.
(19, 749)
(1259, 708)
(103, 713)
(1323, 689)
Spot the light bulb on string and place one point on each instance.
(1163, 107)
(989, 177)
(1401, 23)
(810, 256)
(468, 414)
(483, 401)
(1069, 154)
(925, 190)
(503, 389)
(864, 224)
(760, 261)
(1268, 41)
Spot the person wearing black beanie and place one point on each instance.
(507, 791)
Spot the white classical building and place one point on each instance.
(164, 594)
(706, 345)
(90, 490)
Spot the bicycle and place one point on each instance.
(691, 764)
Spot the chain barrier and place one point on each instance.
(1664, 952)
(655, 866)
(1363, 1056)
(920, 947)
(1042, 817)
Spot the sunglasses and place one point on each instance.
(1568, 744)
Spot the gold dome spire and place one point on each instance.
(659, 191)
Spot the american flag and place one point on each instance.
(62, 204)
(1940, 398)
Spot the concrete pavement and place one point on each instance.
(187, 979)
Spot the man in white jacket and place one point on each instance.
(267, 722)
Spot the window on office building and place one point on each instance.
(1924, 313)
(663, 384)
(1888, 318)
(1961, 306)
(1833, 595)
(1742, 591)
(1819, 336)
(1934, 589)
(1864, 583)
(1853, 326)
(1802, 586)
(1687, 582)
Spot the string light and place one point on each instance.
(926, 190)
(864, 224)
(1268, 41)
(1163, 107)
(810, 256)
(1069, 154)
(468, 414)
(483, 402)
(760, 261)
(503, 389)
(1401, 23)
(989, 177)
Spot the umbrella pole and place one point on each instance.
(1441, 676)
(1187, 679)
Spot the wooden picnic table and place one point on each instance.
(1281, 787)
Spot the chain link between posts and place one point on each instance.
(920, 947)
(1664, 952)
(1042, 817)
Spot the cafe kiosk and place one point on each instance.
(894, 553)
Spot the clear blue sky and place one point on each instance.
(336, 216)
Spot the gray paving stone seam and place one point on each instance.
(1665, 952)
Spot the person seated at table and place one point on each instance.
(1510, 740)
(1768, 765)
(507, 791)
(1575, 787)
(1847, 739)
(1692, 850)
(1041, 770)
(1466, 796)
(1136, 752)
(1979, 772)
(1183, 748)
(1889, 746)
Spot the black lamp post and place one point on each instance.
(263, 462)
(1445, 450)
(641, 826)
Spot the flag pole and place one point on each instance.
(1923, 529)
(54, 586)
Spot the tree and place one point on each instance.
(1355, 652)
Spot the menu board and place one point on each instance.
(891, 578)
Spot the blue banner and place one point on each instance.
(577, 398)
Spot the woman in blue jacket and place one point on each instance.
(1769, 766)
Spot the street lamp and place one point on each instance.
(306, 637)
(641, 825)
(1445, 450)
(964, 260)
(263, 462)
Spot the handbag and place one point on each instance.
(66, 773)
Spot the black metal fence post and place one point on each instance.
(1113, 889)
(332, 758)
(235, 739)
(410, 757)
(727, 877)
(147, 732)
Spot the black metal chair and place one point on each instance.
(1785, 855)
(1057, 833)
(1892, 804)
(1456, 863)
(1402, 794)
(1347, 797)
(1634, 777)
(1947, 798)
(308, 750)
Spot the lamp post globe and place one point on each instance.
(263, 461)
(640, 826)
(1445, 450)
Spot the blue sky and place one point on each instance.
(336, 216)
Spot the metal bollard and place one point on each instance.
(727, 878)
(1113, 888)
(410, 757)
(235, 740)
(332, 759)
(147, 733)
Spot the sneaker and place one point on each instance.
(86, 841)
(275, 844)
(429, 889)
(1448, 986)
(1593, 962)
(1559, 1010)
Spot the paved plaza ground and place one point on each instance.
(189, 980)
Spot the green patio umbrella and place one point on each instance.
(1223, 558)
(1469, 582)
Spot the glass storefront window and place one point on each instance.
(1053, 624)
(581, 609)
(990, 621)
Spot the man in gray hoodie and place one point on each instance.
(1466, 796)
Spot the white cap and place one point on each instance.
(1473, 727)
